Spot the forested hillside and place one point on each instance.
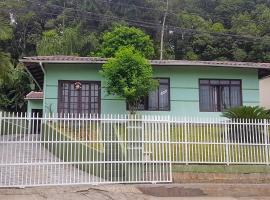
(194, 29)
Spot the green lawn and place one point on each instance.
(205, 144)
(221, 168)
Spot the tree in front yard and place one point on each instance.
(129, 76)
(123, 36)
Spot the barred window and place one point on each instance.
(79, 97)
(218, 95)
(158, 100)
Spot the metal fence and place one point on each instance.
(220, 141)
(80, 149)
(92, 149)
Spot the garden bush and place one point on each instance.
(250, 130)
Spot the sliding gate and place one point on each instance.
(80, 149)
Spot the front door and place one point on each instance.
(36, 122)
(82, 97)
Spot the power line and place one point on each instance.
(169, 10)
(168, 26)
(154, 25)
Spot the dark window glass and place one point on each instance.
(158, 100)
(83, 99)
(218, 95)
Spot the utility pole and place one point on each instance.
(64, 16)
(162, 30)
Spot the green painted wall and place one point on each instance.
(34, 104)
(183, 80)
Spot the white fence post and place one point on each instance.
(186, 140)
(266, 141)
(227, 144)
(29, 116)
(168, 136)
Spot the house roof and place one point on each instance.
(34, 95)
(77, 59)
(34, 64)
(63, 59)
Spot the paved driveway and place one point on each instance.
(18, 172)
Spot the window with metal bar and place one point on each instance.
(79, 97)
(158, 100)
(219, 95)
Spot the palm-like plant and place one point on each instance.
(247, 112)
(5, 34)
(246, 132)
(6, 30)
(5, 66)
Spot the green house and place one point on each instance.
(70, 84)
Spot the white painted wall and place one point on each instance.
(265, 92)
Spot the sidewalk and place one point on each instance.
(132, 192)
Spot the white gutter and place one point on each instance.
(42, 68)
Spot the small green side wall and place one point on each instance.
(34, 104)
(184, 83)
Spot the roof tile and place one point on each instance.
(34, 95)
(66, 59)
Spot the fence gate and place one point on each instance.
(80, 149)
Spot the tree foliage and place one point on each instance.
(129, 76)
(196, 29)
(123, 36)
(69, 41)
(237, 30)
(13, 91)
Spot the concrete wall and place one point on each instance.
(265, 92)
(184, 83)
(34, 104)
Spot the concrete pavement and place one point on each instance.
(147, 192)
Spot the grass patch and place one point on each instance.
(207, 143)
(233, 169)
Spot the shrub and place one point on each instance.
(246, 132)
(247, 112)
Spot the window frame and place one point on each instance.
(146, 99)
(209, 84)
(59, 97)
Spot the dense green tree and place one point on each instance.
(5, 62)
(195, 29)
(13, 91)
(69, 41)
(123, 36)
(243, 24)
(129, 76)
(5, 66)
